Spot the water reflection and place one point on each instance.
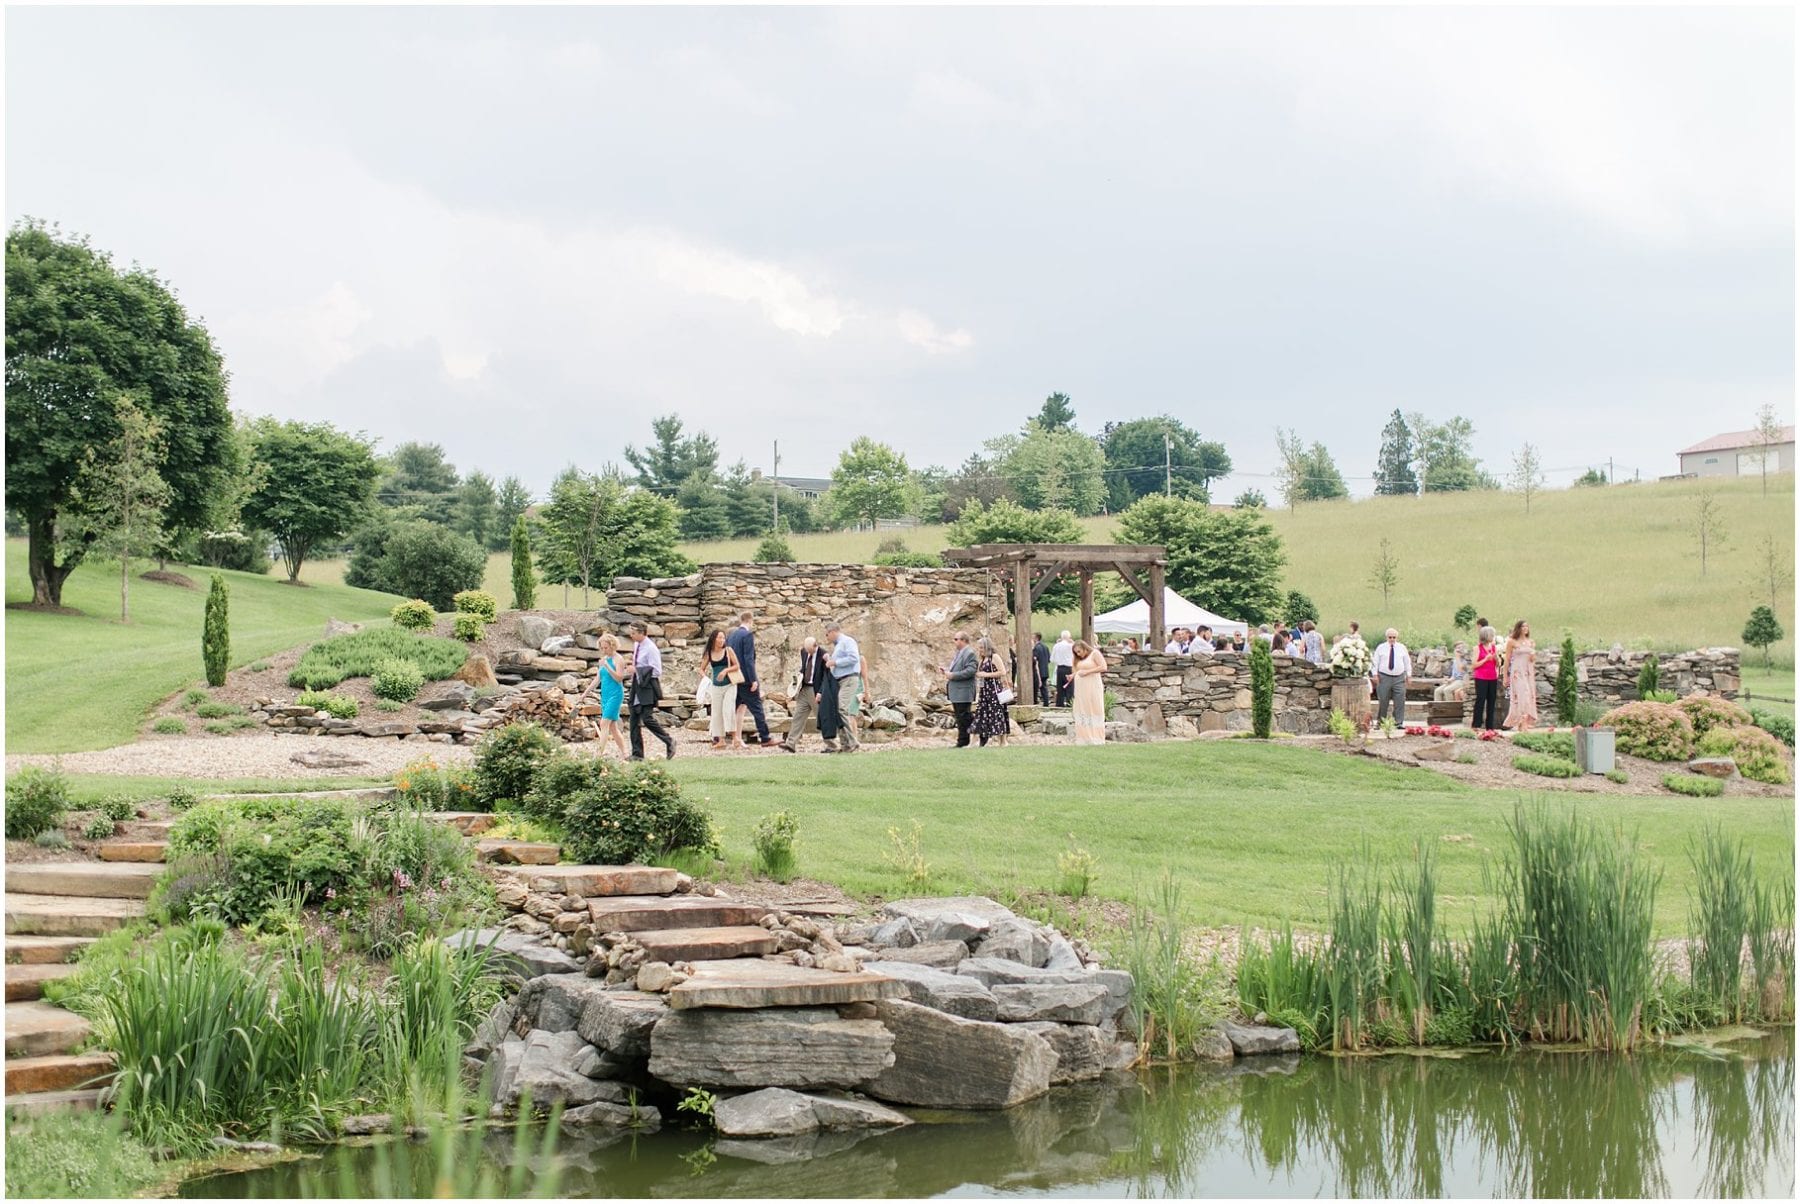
(1684, 1123)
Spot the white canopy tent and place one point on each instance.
(1134, 618)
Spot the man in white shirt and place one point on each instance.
(1393, 669)
(1181, 644)
(846, 673)
(1062, 657)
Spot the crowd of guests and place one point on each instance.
(1480, 670)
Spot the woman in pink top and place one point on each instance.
(1485, 669)
(1521, 679)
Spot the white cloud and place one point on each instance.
(786, 300)
(921, 331)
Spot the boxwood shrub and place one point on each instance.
(1546, 767)
(1657, 731)
(1693, 785)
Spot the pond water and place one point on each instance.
(1704, 1119)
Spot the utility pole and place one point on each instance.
(1609, 470)
(775, 487)
(1168, 476)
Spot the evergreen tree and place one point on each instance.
(477, 511)
(1057, 413)
(1299, 607)
(417, 474)
(1762, 630)
(215, 635)
(1262, 689)
(513, 500)
(672, 458)
(1394, 476)
(703, 512)
(1648, 677)
(524, 581)
(1566, 682)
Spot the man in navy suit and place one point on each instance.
(742, 642)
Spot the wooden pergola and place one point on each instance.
(1032, 568)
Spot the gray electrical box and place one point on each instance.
(1594, 749)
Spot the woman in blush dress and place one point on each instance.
(1090, 694)
(1521, 679)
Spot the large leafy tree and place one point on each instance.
(703, 513)
(672, 457)
(1135, 456)
(478, 511)
(1229, 561)
(1052, 469)
(1008, 522)
(577, 522)
(80, 336)
(871, 481)
(1394, 476)
(417, 559)
(314, 484)
(1306, 474)
(1446, 458)
(976, 481)
(417, 474)
(511, 503)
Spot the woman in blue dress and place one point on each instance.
(610, 677)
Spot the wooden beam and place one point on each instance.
(1047, 580)
(1158, 637)
(1022, 632)
(1133, 580)
(1087, 605)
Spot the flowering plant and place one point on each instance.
(1442, 733)
(1350, 657)
(1489, 733)
(1413, 729)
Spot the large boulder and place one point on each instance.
(554, 1002)
(771, 1112)
(514, 952)
(777, 1047)
(944, 1061)
(952, 993)
(1248, 1039)
(478, 672)
(1082, 1052)
(603, 1114)
(533, 630)
(939, 955)
(1015, 941)
(620, 1022)
(961, 918)
(1062, 1002)
(546, 1072)
(491, 1031)
(995, 971)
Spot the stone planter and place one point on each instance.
(1351, 696)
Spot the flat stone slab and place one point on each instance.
(1064, 1003)
(138, 850)
(958, 918)
(620, 1022)
(780, 1047)
(1251, 1039)
(89, 879)
(762, 984)
(779, 1112)
(469, 823)
(938, 955)
(57, 1072)
(36, 1029)
(524, 955)
(946, 992)
(27, 982)
(51, 915)
(39, 950)
(641, 913)
(707, 944)
(596, 881)
(517, 852)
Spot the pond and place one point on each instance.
(1706, 1118)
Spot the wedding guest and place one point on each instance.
(1181, 643)
(609, 679)
(1455, 688)
(723, 671)
(1315, 643)
(1486, 674)
(646, 692)
(959, 685)
(742, 642)
(813, 679)
(1239, 641)
(1521, 679)
(1221, 643)
(847, 683)
(990, 713)
(1263, 633)
(1205, 637)
(1278, 644)
(1393, 669)
(1062, 658)
(1040, 670)
(1089, 694)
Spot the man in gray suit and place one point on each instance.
(959, 684)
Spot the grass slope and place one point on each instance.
(85, 681)
(1250, 830)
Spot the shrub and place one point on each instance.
(1554, 744)
(774, 841)
(1465, 616)
(1706, 712)
(1587, 713)
(333, 660)
(120, 808)
(396, 680)
(469, 628)
(416, 615)
(1658, 731)
(51, 838)
(389, 706)
(36, 799)
(1668, 696)
(218, 710)
(98, 828)
(1648, 678)
(477, 602)
(524, 581)
(336, 705)
(1618, 777)
(908, 560)
(193, 697)
(1262, 689)
(169, 725)
(773, 549)
(1759, 755)
(634, 815)
(1693, 785)
(181, 798)
(416, 559)
(224, 727)
(556, 779)
(1299, 607)
(215, 632)
(1078, 868)
(1341, 725)
(1762, 630)
(1467, 759)
(1779, 726)
(260, 667)
(1546, 767)
(506, 759)
(424, 785)
(1567, 681)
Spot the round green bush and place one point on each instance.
(36, 799)
(1706, 712)
(396, 680)
(1759, 755)
(51, 838)
(1546, 767)
(506, 760)
(119, 808)
(416, 615)
(169, 725)
(181, 798)
(1658, 731)
(98, 828)
(336, 705)
(469, 627)
(477, 602)
(1693, 785)
(634, 815)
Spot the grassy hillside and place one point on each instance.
(85, 681)
(1610, 564)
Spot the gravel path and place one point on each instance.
(251, 755)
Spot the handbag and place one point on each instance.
(703, 695)
(1006, 696)
(735, 676)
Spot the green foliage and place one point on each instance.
(416, 559)
(51, 838)
(1618, 777)
(396, 679)
(774, 840)
(389, 706)
(181, 798)
(1078, 869)
(702, 512)
(224, 727)
(1566, 682)
(1465, 616)
(905, 854)
(120, 808)
(1306, 474)
(1763, 630)
(554, 779)
(1298, 607)
(1135, 456)
(505, 761)
(1554, 744)
(673, 457)
(1779, 726)
(592, 530)
(416, 615)
(1546, 767)
(1707, 712)
(1060, 469)
(1759, 755)
(77, 1155)
(912, 560)
(169, 725)
(36, 799)
(424, 785)
(632, 815)
(1250, 499)
(1005, 521)
(313, 483)
(871, 481)
(1447, 462)
(98, 828)
(1647, 677)
(1228, 561)
(215, 633)
(1173, 1000)
(335, 705)
(1262, 689)
(477, 602)
(468, 628)
(192, 697)
(1693, 785)
(1394, 476)
(524, 580)
(773, 549)
(359, 653)
(698, 1102)
(1592, 476)
(217, 710)
(1658, 731)
(1340, 724)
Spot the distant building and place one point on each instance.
(1737, 454)
(810, 488)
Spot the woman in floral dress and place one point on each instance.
(1521, 679)
(990, 713)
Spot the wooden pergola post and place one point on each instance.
(1022, 630)
(1087, 605)
(1158, 637)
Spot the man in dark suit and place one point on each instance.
(750, 698)
(803, 700)
(959, 684)
(1040, 671)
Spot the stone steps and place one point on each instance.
(596, 881)
(517, 852)
(707, 944)
(53, 915)
(87, 879)
(27, 982)
(37, 1030)
(57, 1072)
(135, 851)
(653, 913)
(43, 950)
(766, 984)
(54, 1101)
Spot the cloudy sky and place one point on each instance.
(522, 233)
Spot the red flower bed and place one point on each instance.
(1442, 733)
(1490, 734)
(1413, 730)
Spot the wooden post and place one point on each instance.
(1087, 605)
(1158, 637)
(1022, 631)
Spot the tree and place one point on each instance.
(313, 485)
(1008, 522)
(1774, 569)
(577, 522)
(773, 549)
(1251, 499)
(1465, 616)
(417, 474)
(1527, 473)
(1299, 607)
(703, 512)
(80, 336)
(1768, 434)
(477, 511)
(513, 501)
(1229, 561)
(126, 511)
(1057, 414)
(1306, 474)
(1262, 689)
(1135, 456)
(1763, 630)
(749, 509)
(1446, 462)
(1648, 677)
(870, 481)
(1060, 469)
(671, 459)
(1394, 476)
(976, 481)
(417, 558)
(1707, 522)
(215, 632)
(644, 537)
(1591, 477)
(524, 581)
(932, 486)
(1384, 571)
(1567, 680)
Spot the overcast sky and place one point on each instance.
(522, 233)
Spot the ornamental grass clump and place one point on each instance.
(774, 841)
(1545, 767)
(1657, 731)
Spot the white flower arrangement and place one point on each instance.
(1350, 657)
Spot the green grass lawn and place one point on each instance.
(1770, 689)
(1250, 830)
(86, 681)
